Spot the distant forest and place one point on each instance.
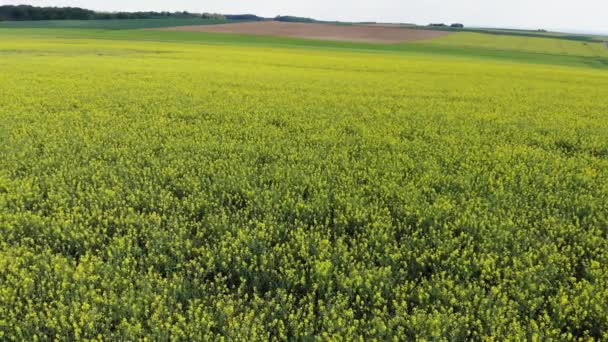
(26, 12)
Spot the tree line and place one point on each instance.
(26, 12)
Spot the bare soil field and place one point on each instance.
(355, 33)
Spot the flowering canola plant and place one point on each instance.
(172, 191)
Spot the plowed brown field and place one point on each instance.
(356, 33)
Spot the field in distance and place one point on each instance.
(111, 24)
(354, 33)
(199, 186)
(457, 44)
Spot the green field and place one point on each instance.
(527, 44)
(550, 34)
(581, 37)
(186, 186)
(111, 24)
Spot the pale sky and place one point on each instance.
(581, 15)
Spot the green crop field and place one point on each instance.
(176, 186)
(528, 44)
(121, 24)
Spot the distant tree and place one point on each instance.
(215, 16)
(438, 25)
(292, 19)
(457, 25)
(251, 17)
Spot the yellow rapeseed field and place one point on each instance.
(176, 191)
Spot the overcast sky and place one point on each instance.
(581, 15)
